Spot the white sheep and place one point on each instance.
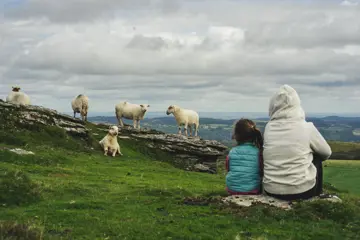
(110, 143)
(80, 104)
(184, 117)
(17, 97)
(131, 111)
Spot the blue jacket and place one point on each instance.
(244, 168)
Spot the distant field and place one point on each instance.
(343, 174)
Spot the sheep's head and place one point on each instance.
(171, 109)
(15, 89)
(144, 107)
(113, 130)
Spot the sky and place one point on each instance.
(206, 55)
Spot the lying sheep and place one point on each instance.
(17, 97)
(131, 111)
(80, 104)
(184, 117)
(110, 143)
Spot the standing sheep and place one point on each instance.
(184, 117)
(131, 111)
(110, 143)
(17, 97)
(80, 104)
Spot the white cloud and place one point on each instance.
(207, 55)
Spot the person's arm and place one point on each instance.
(227, 163)
(318, 144)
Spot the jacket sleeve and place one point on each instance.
(227, 163)
(318, 144)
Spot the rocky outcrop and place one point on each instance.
(190, 153)
(31, 114)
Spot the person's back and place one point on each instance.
(289, 145)
(244, 165)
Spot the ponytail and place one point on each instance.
(258, 139)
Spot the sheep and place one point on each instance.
(109, 143)
(184, 117)
(80, 104)
(18, 98)
(131, 111)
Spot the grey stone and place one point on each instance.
(31, 114)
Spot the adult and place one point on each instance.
(291, 171)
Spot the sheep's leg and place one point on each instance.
(196, 129)
(119, 151)
(185, 129)
(138, 124)
(74, 114)
(114, 152)
(121, 122)
(179, 132)
(190, 130)
(106, 149)
(134, 123)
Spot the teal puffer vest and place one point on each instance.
(244, 168)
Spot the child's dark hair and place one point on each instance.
(245, 130)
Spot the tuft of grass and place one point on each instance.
(17, 188)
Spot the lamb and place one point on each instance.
(80, 104)
(109, 143)
(131, 111)
(184, 117)
(18, 98)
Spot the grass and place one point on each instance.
(85, 195)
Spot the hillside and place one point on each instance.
(67, 189)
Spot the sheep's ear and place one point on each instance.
(141, 105)
(148, 105)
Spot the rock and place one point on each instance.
(32, 114)
(21, 151)
(248, 200)
(188, 153)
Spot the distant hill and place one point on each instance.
(333, 128)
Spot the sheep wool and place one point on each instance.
(18, 98)
(110, 143)
(80, 104)
(131, 111)
(185, 117)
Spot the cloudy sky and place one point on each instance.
(207, 55)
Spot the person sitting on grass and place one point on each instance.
(293, 150)
(244, 161)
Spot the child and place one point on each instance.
(244, 162)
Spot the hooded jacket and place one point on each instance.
(289, 145)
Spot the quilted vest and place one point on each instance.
(244, 168)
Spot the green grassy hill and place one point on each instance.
(69, 190)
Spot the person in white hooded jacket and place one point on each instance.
(290, 143)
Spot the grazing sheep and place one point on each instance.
(80, 104)
(184, 117)
(17, 97)
(109, 143)
(130, 111)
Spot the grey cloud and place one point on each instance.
(84, 10)
(195, 56)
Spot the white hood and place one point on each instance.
(285, 104)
